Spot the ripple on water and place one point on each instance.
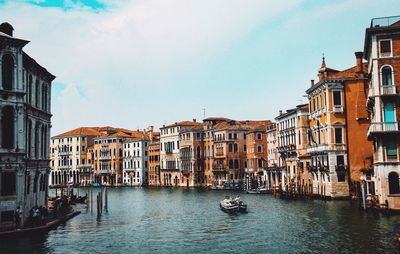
(189, 221)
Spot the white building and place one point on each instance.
(135, 165)
(381, 50)
(69, 159)
(24, 129)
(170, 162)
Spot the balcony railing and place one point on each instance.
(384, 21)
(383, 127)
(388, 90)
(337, 109)
(318, 148)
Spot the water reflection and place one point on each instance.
(188, 221)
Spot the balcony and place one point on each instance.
(65, 153)
(388, 90)
(105, 171)
(383, 128)
(337, 109)
(318, 149)
(383, 91)
(105, 158)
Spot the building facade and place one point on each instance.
(135, 167)
(25, 92)
(382, 52)
(154, 164)
(170, 156)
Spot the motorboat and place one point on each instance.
(232, 205)
(252, 191)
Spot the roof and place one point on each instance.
(143, 137)
(246, 125)
(30, 62)
(350, 73)
(380, 25)
(216, 119)
(81, 131)
(194, 128)
(182, 123)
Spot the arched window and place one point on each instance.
(36, 145)
(394, 187)
(198, 152)
(387, 76)
(44, 96)
(7, 127)
(7, 70)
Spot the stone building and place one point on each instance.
(170, 162)
(25, 92)
(192, 156)
(338, 126)
(71, 159)
(291, 137)
(382, 52)
(136, 159)
(274, 169)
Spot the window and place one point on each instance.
(7, 71)
(338, 136)
(230, 148)
(244, 148)
(259, 149)
(385, 48)
(394, 183)
(337, 98)
(389, 113)
(260, 163)
(259, 136)
(231, 164)
(386, 76)
(7, 127)
(236, 164)
(391, 149)
(8, 184)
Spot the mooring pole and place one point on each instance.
(106, 199)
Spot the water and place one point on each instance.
(143, 220)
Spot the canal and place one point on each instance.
(143, 220)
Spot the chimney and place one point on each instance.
(6, 28)
(312, 82)
(359, 56)
(194, 120)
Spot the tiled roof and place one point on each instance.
(242, 125)
(82, 131)
(182, 123)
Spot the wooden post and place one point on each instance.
(106, 199)
(91, 200)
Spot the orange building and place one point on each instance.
(192, 156)
(338, 126)
(154, 164)
(257, 156)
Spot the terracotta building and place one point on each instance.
(192, 156)
(154, 164)
(338, 126)
(382, 52)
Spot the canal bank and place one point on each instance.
(142, 220)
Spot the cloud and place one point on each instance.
(126, 58)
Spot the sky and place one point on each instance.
(136, 63)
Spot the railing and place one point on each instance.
(338, 109)
(105, 171)
(318, 148)
(388, 90)
(383, 127)
(384, 21)
(104, 158)
(65, 153)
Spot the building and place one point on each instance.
(192, 155)
(274, 169)
(338, 126)
(257, 156)
(170, 162)
(292, 127)
(382, 52)
(135, 167)
(154, 164)
(71, 159)
(25, 92)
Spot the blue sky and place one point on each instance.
(149, 62)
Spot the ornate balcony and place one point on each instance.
(389, 91)
(318, 148)
(378, 128)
